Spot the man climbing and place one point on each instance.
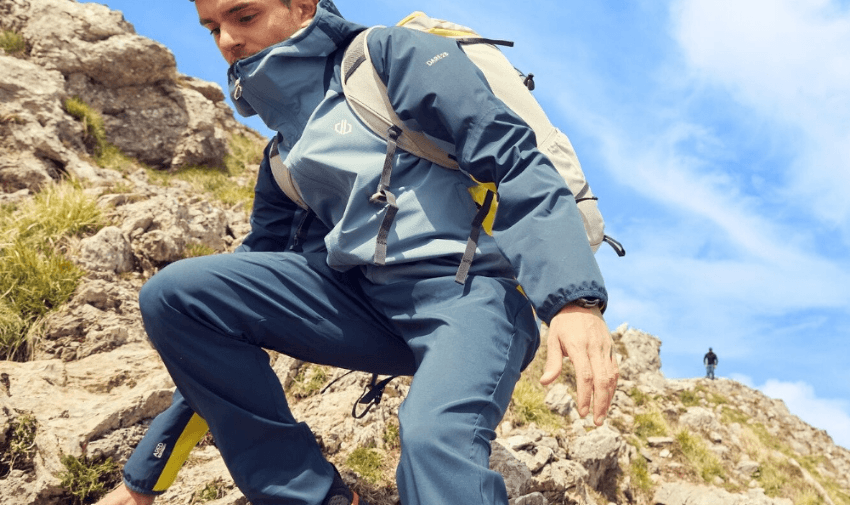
(366, 257)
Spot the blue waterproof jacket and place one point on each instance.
(333, 165)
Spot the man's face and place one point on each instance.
(245, 27)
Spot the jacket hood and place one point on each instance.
(284, 83)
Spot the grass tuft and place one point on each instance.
(87, 480)
(689, 398)
(650, 424)
(35, 275)
(528, 406)
(244, 151)
(309, 381)
(19, 449)
(94, 133)
(368, 463)
(392, 436)
(639, 472)
(639, 397)
(195, 249)
(706, 463)
(213, 490)
(12, 43)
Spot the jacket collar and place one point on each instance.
(285, 82)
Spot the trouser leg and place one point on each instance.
(154, 464)
(210, 319)
(470, 344)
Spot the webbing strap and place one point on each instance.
(618, 247)
(484, 40)
(383, 195)
(472, 242)
(372, 395)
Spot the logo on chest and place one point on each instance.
(343, 127)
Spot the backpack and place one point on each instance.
(367, 95)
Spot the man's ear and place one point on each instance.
(305, 10)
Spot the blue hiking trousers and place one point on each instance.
(211, 317)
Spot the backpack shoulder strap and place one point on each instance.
(367, 95)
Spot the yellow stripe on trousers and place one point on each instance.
(194, 431)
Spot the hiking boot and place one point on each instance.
(341, 494)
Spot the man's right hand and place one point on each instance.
(124, 496)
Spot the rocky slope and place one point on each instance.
(95, 383)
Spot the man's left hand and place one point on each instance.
(582, 335)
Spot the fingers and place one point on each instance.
(605, 375)
(584, 379)
(554, 360)
(596, 369)
(584, 337)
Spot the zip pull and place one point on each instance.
(237, 89)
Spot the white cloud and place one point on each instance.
(828, 414)
(788, 60)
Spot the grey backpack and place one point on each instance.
(366, 93)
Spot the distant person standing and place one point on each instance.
(710, 361)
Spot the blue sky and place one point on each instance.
(716, 134)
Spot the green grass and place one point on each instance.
(12, 42)
(527, 406)
(244, 151)
(392, 436)
(87, 480)
(20, 444)
(705, 462)
(59, 210)
(94, 133)
(309, 381)
(640, 398)
(368, 463)
(109, 156)
(216, 182)
(689, 398)
(213, 490)
(13, 330)
(219, 182)
(195, 249)
(105, 154)
(639, 472)
(731, 415)
(35, 275)
(650, 424)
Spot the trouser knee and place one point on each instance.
(161, 298)
(152, 297)
(436, 436)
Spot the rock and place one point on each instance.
(559, 400)
(108, 250)
(681, 493)
(149, 110)
(530, 499)
(597, 452)
(659, 441)
(517, 475)
(560, 476)
(642, 360)
(700, 418)
(36, 129)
